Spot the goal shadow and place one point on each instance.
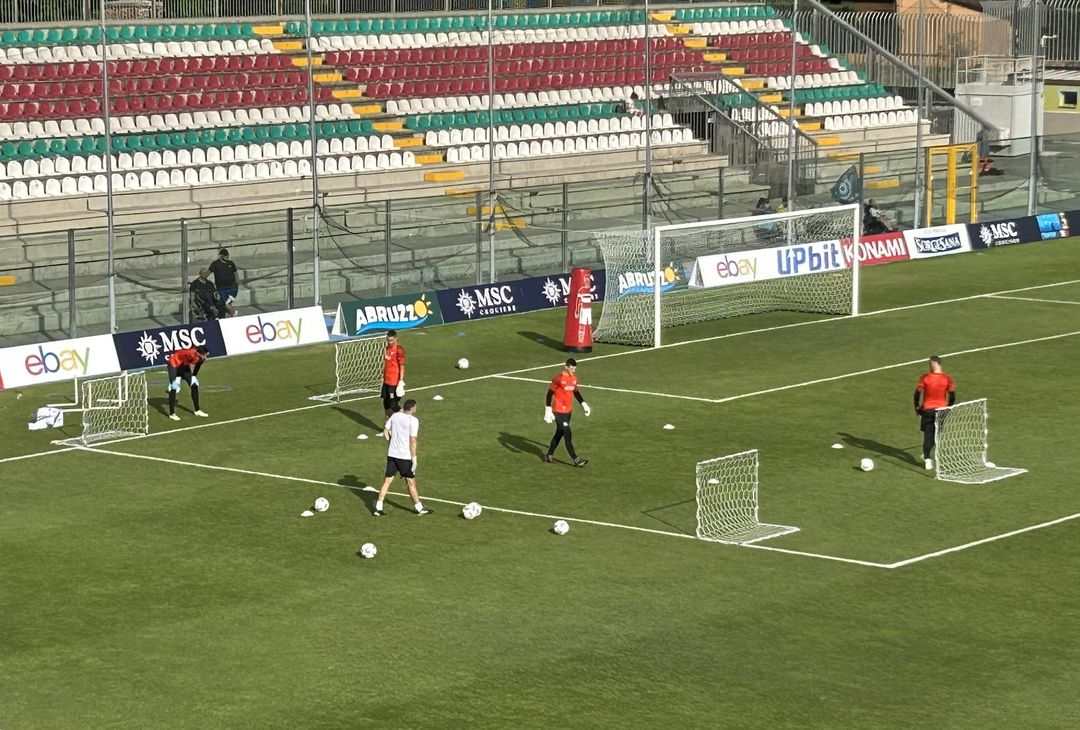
(680, 516)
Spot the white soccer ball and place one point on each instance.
(322, 504)
(472, 510)
(866, 464)
(561, 527)
(368, 550)
(463, 363)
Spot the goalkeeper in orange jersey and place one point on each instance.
(184, 366)
(935, 390)
(560, 402)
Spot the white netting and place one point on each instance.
(961, 443)
(727, 501)
(112, 408)
(359, 367)
(628, 317)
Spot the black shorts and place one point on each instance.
(562, 420)
(389, 397)
(928, 419)
(395, 466)
(183, 372)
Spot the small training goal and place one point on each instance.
(112, 408)
(727, 501)
(961, 442)
(358, 368)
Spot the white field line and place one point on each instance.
(637, 351)
(36, 454)
(616, 390)
(504, 510)
(831, 378)
(985, 540)
(1032, 299)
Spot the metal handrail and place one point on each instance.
(989, 127)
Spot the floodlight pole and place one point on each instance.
(920, 39)
(315, 212)
(110, 231)
(646, 200)
(491, 139)
(791, 109)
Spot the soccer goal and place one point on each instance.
(727, 501)
(358, 365)
(961, 444)
(680, 274)
(112, 408)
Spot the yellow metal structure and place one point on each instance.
(961, 161)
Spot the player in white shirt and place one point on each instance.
(401, 431)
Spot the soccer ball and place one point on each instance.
(368, 550)
(866, 464)
(463, 363)
(322, 504)
(561, 527)
(472, 510)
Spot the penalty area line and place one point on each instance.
(984, 541)
(614, 390)
(1032, 299)
(504, 510)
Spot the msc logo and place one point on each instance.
(999, 234)
(486, 301)
(641, 282)
(152, 346)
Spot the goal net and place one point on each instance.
(727, 501)
(112, 408)
(358, 365)
(680, 274)
(961, 442)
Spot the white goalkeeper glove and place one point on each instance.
(414, 465)
(175, 385)
(549, 415)
(194, 382)
(585, 408)
(400, 392)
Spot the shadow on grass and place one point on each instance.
(652, 514)
(521, 445)
(359, 418)
(895, 454)
(551, 343)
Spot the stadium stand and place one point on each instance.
(199, 104)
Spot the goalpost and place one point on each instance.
(680, 274)
(961, 442)
(727, 501)
(113, 407)
(358, 366)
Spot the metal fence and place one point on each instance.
(66, 11)
(1059, 18)
(408, 245)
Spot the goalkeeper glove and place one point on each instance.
(175, 385)
(400, 392)
(585, 408)
(549, 415)
(414, 465)
(194, 382)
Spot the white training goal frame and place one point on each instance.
(727, 501)
(961, 440)
(358, 367)
(668, 251)
(112, 408)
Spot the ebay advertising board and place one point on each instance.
(273, 330)
(742, 267)
(49, 362)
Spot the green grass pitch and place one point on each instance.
(143, 588)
